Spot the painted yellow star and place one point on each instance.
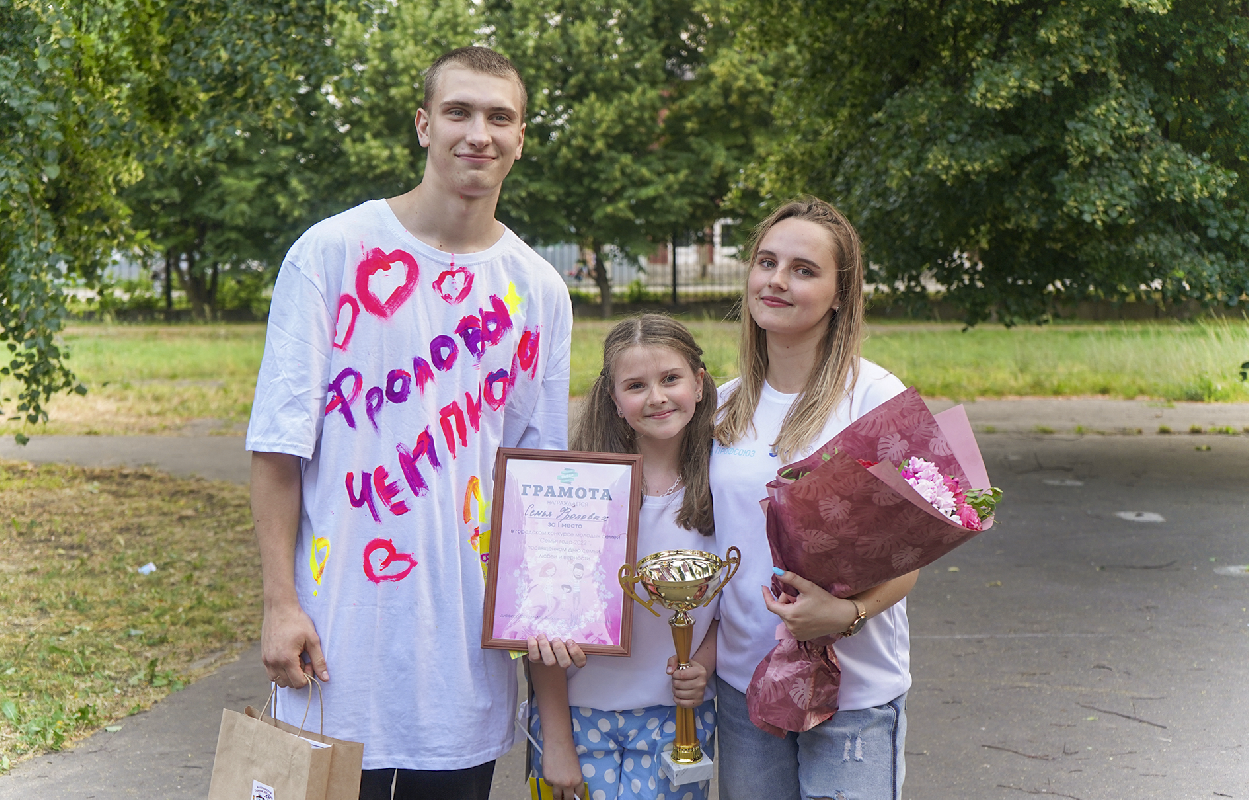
(512, 299)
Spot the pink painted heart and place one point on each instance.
(527, 351)
(382, 269)
(389, 557)
(344, 328)
(454, 284)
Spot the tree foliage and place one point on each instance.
(240, 119)
(636, 124)
(185, 127)
(65, 151)
(378, 90)
(1023, 153)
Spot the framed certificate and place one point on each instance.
(562, 524)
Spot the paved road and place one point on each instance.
(1074, 653)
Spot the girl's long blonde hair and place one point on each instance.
(602, 430)
(837, 359)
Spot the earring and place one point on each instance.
(619, 411)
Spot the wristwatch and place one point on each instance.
(859, 621)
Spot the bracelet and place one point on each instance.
(859, 621)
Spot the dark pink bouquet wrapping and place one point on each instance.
(893, 492)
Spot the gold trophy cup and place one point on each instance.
(682, 580)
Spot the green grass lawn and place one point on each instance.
(158, 379)
(1169, 361)
(718, 340)
(155, 379)
(86, 638)
(1166, 361)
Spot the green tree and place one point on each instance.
(1022, 153)
(95, 93)
(375, 152)
(334, 128)
(241, 123)
(65, 152)
(636, 126)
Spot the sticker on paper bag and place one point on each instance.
(261, 792)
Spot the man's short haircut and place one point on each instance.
(477, 59)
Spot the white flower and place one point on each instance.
(928, 481)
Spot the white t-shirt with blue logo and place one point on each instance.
(875, 662)
(396, 371)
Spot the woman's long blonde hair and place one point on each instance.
(837, 360)
(602, 430)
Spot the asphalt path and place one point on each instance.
(1090, 646)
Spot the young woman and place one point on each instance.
(607, 722)
(802, 381)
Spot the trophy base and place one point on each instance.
(681, 774)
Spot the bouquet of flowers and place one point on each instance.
(893, 492)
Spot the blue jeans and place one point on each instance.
(856, 755)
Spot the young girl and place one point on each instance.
(607, 723)
(802, 381)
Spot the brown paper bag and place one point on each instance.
(262, 758)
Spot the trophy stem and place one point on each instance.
(682, 580)
(685, 748)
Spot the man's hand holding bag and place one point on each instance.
(261, 758)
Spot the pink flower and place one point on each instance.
(944, 492)
(956, 490)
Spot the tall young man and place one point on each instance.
(408, 340)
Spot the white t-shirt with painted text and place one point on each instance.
(396, 371)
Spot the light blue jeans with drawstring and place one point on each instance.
(855, 755)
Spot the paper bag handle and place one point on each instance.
(320, 694)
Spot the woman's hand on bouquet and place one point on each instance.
(562, 770)
(556, 652)
(813, 613)
(688, 684)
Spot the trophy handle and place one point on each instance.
(627, 580)
(733, 559)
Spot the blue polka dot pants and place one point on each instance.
(619, 750)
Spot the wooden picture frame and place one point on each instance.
(562, 523)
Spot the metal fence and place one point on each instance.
(695, 268)
(706, 269)
(126, 268)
